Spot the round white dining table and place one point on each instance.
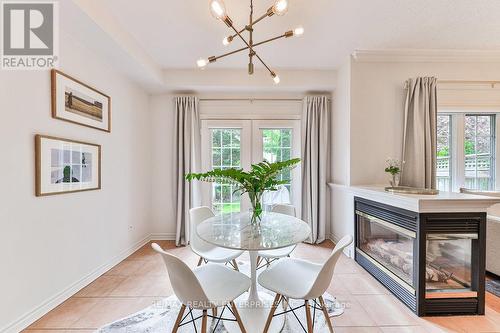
(235, 231)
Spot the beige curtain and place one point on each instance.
(187, 159)
(315, 162)
(419, 137)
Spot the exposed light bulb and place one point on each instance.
(218, 9)
(299, 31)
(202, 63)
(280, 7)
(276, 79)
(227, 40)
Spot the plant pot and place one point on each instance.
(395, 180)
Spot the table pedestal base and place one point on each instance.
(254, 316)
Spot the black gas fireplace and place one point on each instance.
(433, 262)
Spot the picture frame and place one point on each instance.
(78, 103)
(66, 166)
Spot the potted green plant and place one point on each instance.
(394, 169)
(261, 177)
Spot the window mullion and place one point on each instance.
(495, 151)
(475, 154)
(458, 155)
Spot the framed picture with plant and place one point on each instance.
(65, 166)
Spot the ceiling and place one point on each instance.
(176, 33)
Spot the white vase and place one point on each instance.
(395, 180)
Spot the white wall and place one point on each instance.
(49, 244)
(163, 186)
(377, 98)
(341, 126)
(341, 199)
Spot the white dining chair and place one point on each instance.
(309, 283)
(207, 287)
(206, 251)
(271, 255)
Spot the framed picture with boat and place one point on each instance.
(79, 103)
(64, 165)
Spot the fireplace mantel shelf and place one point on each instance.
(444, 202)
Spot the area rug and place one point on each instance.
(160, 317)
(493, 286)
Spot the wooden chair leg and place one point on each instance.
(179, 318)
(235, 264)
(200, 261)
(325, 312)
(308, 317)
(204, 322)
(214, 312)
(238, 318)
(272, 311)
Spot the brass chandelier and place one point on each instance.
(218, 10)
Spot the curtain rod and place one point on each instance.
(469, 81)
(492, 83)
(252, 99)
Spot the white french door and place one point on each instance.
(240, 143)
(274, 141)
(225, 144)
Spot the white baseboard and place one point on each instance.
(162, 236)
(39, 311)
(333, 238)
(348, 251)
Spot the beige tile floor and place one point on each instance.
(142, 279)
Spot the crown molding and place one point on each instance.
(418, 55)
(233, 80)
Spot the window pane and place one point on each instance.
(235, 155)
(226, 158)
(216, 157)
(479, 152)
(225, 154)
(235, 139)
(287, 138)
(277, 144)
(226, 137)
(216, 138)
(444, 153)
(483, 145)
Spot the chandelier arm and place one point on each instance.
(229, 53)
(266, 14)
(285, 35)
(265, 65)
(251, 49)
(241, 37)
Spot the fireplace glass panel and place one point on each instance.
(448, 263)
(390, 246)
